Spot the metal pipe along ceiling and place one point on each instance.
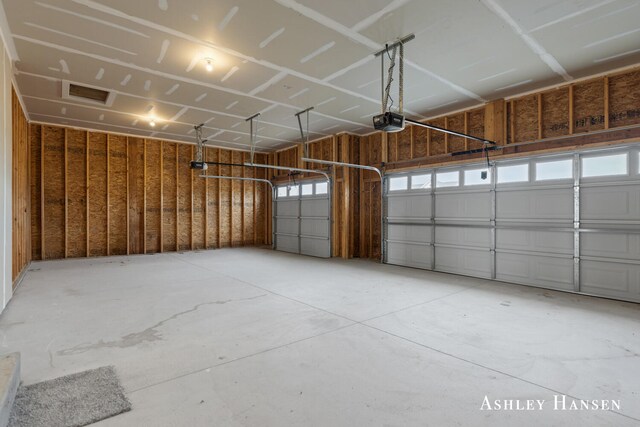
(285, 168)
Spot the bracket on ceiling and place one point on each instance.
(304, 141)
(253, 134)
(199, 163)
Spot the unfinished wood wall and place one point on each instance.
(20, 191)
(99, 194)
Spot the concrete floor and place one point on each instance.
(252, 337)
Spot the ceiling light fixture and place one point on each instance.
(209, 65)
(152, 123)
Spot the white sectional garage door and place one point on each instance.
(568, 222)
(302, 219)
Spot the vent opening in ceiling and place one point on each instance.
(89, 94)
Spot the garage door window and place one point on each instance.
(294, 191)
(616, 164)
(282, 192)
(447, 179)
(515, 173)
(321, 188)
(560, 169)
(307, 189)
(475, 177)
(420, 182)
(398, 183)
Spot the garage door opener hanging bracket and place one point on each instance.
(304, 140)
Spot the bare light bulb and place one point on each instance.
(209, 66)
(152, 123)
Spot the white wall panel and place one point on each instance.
(463, 205)
(610, 245)
(611, 279)
(536, 241)
(611, 203)
(551, 204)
(464, 261)
(550, 272)
(464, 236)
(409, 206)
(409, 255)
(409, 233)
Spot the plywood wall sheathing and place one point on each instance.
(36, 191)
(21, 191)
(76, 193)
(624, 99)
(169, 219)
(184, 193)
(118, 215)
(54, 197)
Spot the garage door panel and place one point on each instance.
(610, 203)
(288, 208)
(418, 256)
(552, 204)
(535, 229)
(611, 279)
(467, 205)
(287, 243)
(464, 261)
(409, 206)
(303, 223)
(610, 245)
(409, 233)
(535, 241)
(534, 270)
(315, 247)
(287, 225)
(315, 207)
(464, 236)
(314, 227)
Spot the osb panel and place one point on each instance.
(624, 99)
(392, 147)
(456, 123)
(526, 119)
(475, 123)
(262, 192)
(404, 144)
(437, 138)
(588, 106)
(327, 149)
(184, 197)
(97, 194)
(169, 196)
(249, 188)
(117, 195)
(21, 192)
(199, 227)
(375, 149)
(153, 194)
(136, 195)
(225, 200)
(76, 193)
(555, 113)
(211, 154)
(420, 140)
(54, 203)
(288, 157)
(36, 159)
(236, 201)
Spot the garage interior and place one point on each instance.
(195, 194)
